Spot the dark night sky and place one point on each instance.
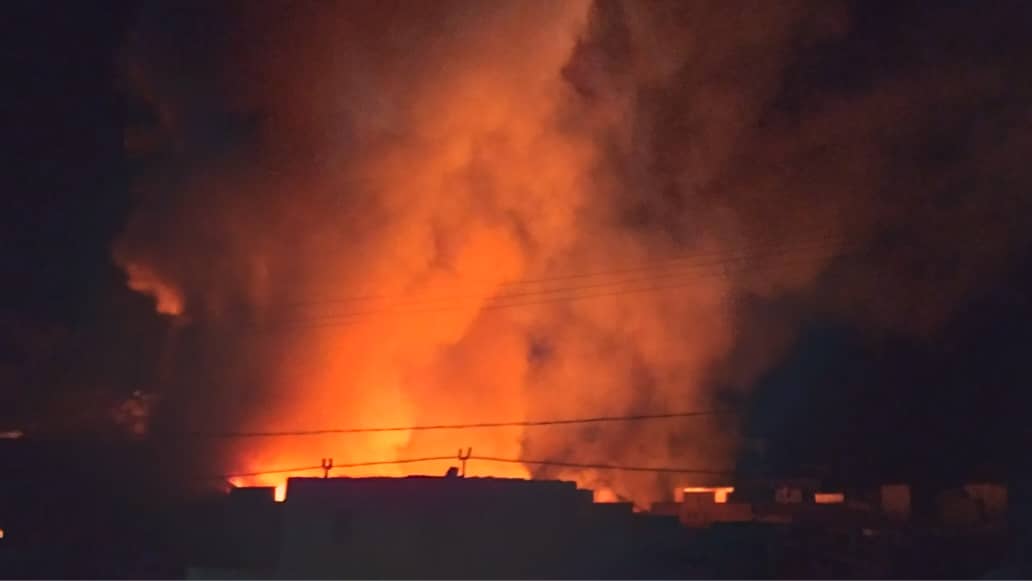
(866, 401)
(66, 196)
(952, 404)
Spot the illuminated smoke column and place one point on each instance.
(340, 195)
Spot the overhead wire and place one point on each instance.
(352, 319)
(671, 277)
(616, 467)
(524, 461)
(270, 472)
(672, 269)
(547, 296)
(335, 466)
(676, 261)
(654, 273)
(468, 426)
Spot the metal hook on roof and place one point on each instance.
(462, 458)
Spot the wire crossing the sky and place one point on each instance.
(553, 296)
(350, 465)
(470, 426)
(616, 467)
(714, 258)
(815, 249)
(553, 463)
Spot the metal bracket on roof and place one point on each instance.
(462, 458)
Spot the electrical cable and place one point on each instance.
(479, 425)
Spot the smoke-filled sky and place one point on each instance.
(386, 213)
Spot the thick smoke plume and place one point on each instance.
(361, 211)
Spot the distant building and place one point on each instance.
(894, 500)
(972, 505)
(430, 527)
(775, 490)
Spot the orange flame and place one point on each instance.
(459, 363)
(829, 498)
(471, 177)
(720, 493)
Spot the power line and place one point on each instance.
(480, 425)
(616, 467)
(350, 465)
(656, 264)
(350, 318)
(271, 471)
(674, 272)
(356, 318)
(673, 262)
(555, 463)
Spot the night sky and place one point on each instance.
(67, 195)
(864, 400)
(947, 404)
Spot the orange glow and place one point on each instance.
(277, 481)
(168, 300)
(454, 365)
(470, 174)
(719, 492)
(829, 498)
(605, 495)
(1, 533)
(434, 468)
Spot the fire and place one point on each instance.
(391, 212)
(347, 192)
(829, 498)
(278, 483)
(451, 365)
(720, 493)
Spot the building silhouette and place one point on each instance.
(433, 527)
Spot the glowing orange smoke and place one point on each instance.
(424, 178)
(492, 116)
(338, 158)
(167, 299)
